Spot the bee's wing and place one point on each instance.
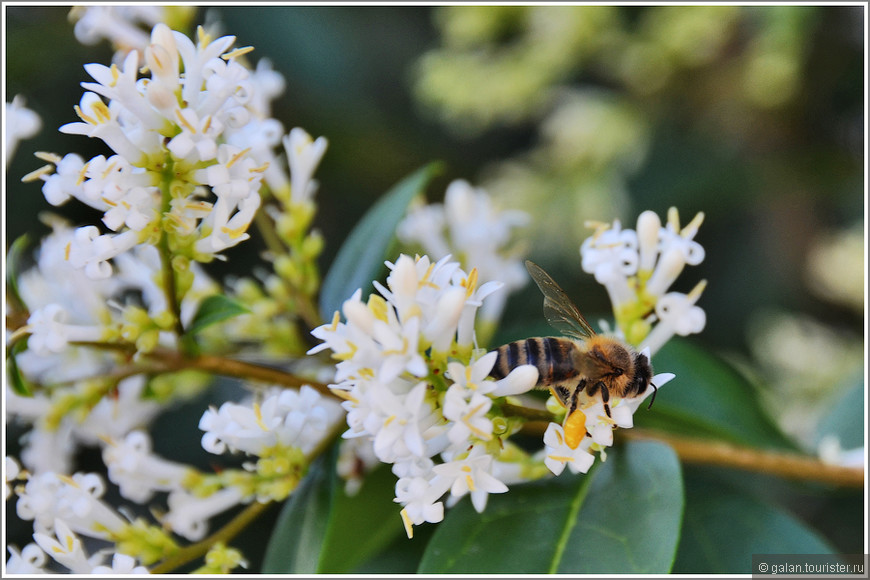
(559, 310)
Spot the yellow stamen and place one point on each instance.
(38, 173)
(235, 233)
(409, 525)
(66, 251)
(674, 218)
(237, 52)
(378, 307)
(102, 112)
(477, 432)
(202, 36)
(692, 227)
(470, 283)
(259, 415)
(83, 117)
(184, 122)
(83, 173)
(696, 291)
(403, 350)
(237, 156)
(336, 318)
(116, 74)
(108, 170)
(342, 394)
(50, 157)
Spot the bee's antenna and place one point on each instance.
(655, 390)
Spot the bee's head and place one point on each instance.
(642, 375)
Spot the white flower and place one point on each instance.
(471, 474)
(137, 471)
(558, 453)
(49, 332)
(611, 255)
(188, 515)
(677, 314)
(31, 560)
(420, 503)
(121, 25)
(468, 416)
(11, 471)
(520, 380)
(67, 548)
(468, 225)
(303, 155)
(75, 500)
(121, 564)
(19, 123)
(403, 419)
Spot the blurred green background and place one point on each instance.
(753, 115)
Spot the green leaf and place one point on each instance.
(361, 258)
(623, 517)
(296, 541)
(708, 398)
(361, 525)
(214, 309)
(19, 384)
(845, 420)
(322, 530)
(13, 270)
(723, 528)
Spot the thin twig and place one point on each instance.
(223, 535)
(782, 464)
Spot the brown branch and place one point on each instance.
(782, 464)
(224, 535)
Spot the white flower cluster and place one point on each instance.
(285, 417)
(62, 508)
(411, 387)
(468, 227)
(83, 309)
(176, 137)
(638, 267)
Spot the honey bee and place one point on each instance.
(579, 361)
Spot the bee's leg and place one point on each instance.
(655, 390)
(605, 397)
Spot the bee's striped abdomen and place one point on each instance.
(553, 357)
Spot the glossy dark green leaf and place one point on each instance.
(361, 525)
(708, 398)
(322, 530)
(723, 528)
(297, 539)
(214, 309)
(622, 517)
(361, 258)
